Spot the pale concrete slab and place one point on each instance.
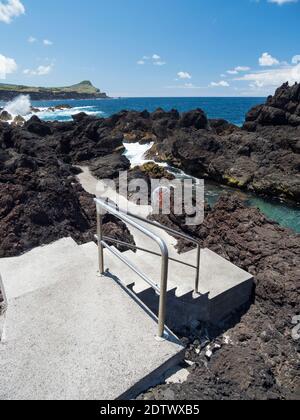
(18, 273)
(81, 337)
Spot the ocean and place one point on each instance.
(231, 109)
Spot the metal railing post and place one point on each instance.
(100, 246)
(163, 296)
(198, 269)
(162, 290)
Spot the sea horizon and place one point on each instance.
(232, 109)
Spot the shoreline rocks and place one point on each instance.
(264, 161)
(282, 109)
(5, 116)
(41, 201)
(255, 356)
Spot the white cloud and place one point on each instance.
(242, 68)
(10, 9)
(274, 77)
(7, 66)
(47, 42)
(155, 59)
(32, 40)
(184, 75)
(296, 59)
(222, 83)
(238, 69)
(281, 2)
(40, 71)
(266, 60)
(159, 63)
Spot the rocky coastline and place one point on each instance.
(19, 120)
(41, 201)
(262, 157)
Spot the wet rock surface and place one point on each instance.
(252, 356)
(5, 116)
(266, 162)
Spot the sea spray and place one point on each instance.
(136, 152)
(19, 106)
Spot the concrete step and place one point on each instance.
(183, 306)
(77, 336)
(223, 289)
(229, 286)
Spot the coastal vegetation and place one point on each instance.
(82, 90)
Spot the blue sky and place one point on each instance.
(152, 47)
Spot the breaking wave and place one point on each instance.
(66, 114)
(19, 106)
(136, 152)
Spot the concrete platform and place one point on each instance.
(29, 272)
(81, 337)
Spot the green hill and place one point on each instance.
(83, 90)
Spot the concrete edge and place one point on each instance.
(3, 309)
(155, 378)
(3, 304)
(247, 283)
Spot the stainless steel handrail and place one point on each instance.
(176, 234)
(138, 248)
(162, 290)
(128, 217)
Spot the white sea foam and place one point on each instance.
(19, 106)
(47, 114)
(135, 153)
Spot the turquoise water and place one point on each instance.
(286, 215)
(282, 213)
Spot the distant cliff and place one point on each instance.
(83, 90)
